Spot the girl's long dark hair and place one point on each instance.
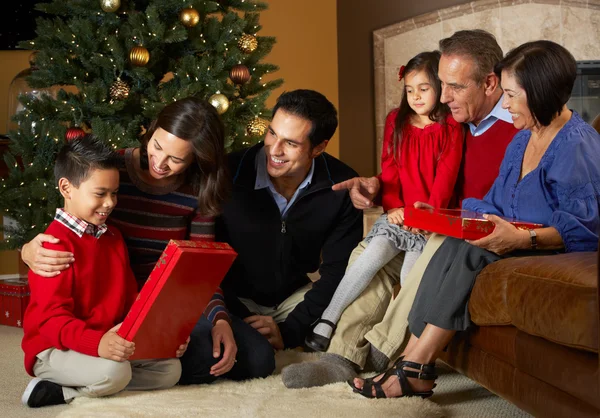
(195, 120)
(428, 62)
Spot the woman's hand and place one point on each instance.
(222, 334)
(42, 261)
(504, 239)
(182, 348)
(396, 216)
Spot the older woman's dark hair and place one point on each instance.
(195, 120)
(546, 71)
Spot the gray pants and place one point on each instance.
(83, 375)
(443, 296)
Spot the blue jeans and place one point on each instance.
(255, 356)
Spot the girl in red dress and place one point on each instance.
(421, 156)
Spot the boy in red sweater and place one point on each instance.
(70, 325)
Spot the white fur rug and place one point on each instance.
(256, 398)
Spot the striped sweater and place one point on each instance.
(148, 217)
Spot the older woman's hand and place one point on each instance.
(504, 239)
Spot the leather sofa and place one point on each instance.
(536, 339)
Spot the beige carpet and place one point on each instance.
(455, 396)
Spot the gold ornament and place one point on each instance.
(189, 17)
(247, 44)
(110, 6)
(119, 90)
(257, 127)
(220, 102)
(139, 56)
(239, 74)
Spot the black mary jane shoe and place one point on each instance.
(317, 342)
(426, 372)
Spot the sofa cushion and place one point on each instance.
(553, 297)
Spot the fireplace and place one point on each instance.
(586, 92)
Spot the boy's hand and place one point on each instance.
(396, 216)
(181, 350)
(114, 347)
(223, 334)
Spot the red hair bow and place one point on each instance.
(401, 73)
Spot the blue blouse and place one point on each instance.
(563, 191)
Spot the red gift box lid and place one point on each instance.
(174, 297)
(457, 223)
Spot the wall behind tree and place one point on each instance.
(306, 48)
(356, 20)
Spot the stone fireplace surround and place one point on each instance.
(575, 24)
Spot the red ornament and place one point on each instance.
(401, 73)
(74, 133)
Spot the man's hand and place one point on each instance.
(268, 328)
(114, 347)
(182, 348)
(223, 334)
(504, 239)
(44, 262)
(362, 190)
(396, 216)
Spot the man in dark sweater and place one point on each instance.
(285, 221)
(372, 330)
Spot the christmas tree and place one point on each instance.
(120, 62)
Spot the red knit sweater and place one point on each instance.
(482, 157)
(73, 310)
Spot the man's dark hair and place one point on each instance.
(479, 45)
(76, 159)
(547, 72)
(314, 107)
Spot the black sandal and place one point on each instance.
(426, 372)
(318, 342)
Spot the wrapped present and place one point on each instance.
(14, 297)
(174, 297)
(457, 223)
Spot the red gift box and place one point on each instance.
(457, 223)
(174, 297)
(14, 297)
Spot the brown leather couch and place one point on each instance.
(536, 343)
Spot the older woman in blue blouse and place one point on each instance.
(550, 175)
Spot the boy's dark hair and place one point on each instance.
(546, 71)
(477, 44)
(314, 107)
(77, 158)
(427, 62)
